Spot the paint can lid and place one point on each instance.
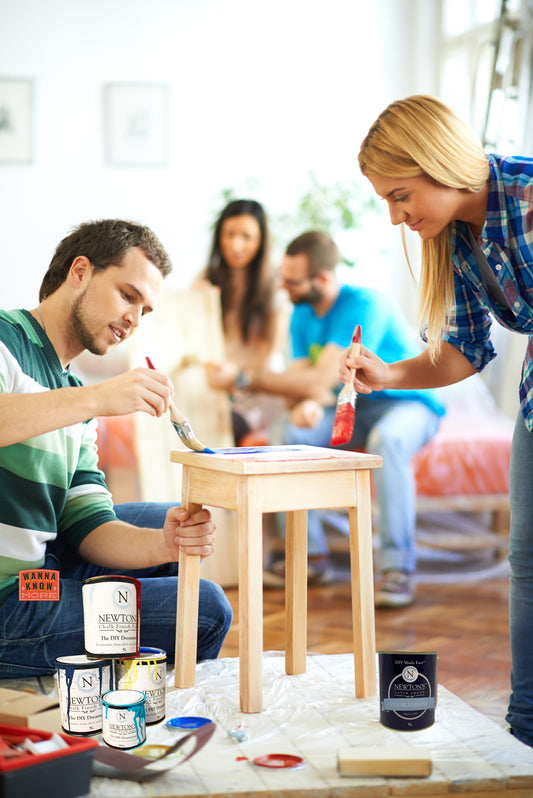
(279, 761)
(187, 722)
(151, 751)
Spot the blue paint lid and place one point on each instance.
(187, 722)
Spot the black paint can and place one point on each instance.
(407, 689)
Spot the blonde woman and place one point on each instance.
(474, 214)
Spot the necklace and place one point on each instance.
(41, 318)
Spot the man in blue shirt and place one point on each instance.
(393, 424)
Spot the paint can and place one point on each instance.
(407, 689)
(81, 682)
(147, 673)
(124, 718)
(111, 616)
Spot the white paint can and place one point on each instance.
(111, 616)
(123, 718)
(147, 673)
(81, 682)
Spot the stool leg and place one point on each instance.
(296, 591)
(251, 594)
(187, 620)
(187, 607)
(362, 576)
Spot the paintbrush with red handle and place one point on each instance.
(346, 400)
(182, 426)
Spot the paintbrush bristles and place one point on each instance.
(346, 401)
(185, 431)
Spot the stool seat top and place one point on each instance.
(276, 459)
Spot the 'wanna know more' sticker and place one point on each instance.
(40, 584)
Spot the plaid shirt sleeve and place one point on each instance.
(507, 243)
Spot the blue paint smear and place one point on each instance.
(259, 449)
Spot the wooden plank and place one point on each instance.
(394, 760)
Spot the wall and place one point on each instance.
(259, 90)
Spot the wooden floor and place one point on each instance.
(466, 623)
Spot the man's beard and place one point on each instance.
(313, 296)
(80, 329)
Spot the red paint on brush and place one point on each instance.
(343, 426)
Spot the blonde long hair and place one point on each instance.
(420, 136)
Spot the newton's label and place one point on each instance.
(81, 682)
(123, 718)
(407, 689)
(111, 613)
(146, 673)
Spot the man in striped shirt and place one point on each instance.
(56, 511)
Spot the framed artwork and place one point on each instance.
(136, 124)
(16, 121)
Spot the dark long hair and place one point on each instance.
(255, 313)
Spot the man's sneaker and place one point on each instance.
(319, 572)
(396, 589)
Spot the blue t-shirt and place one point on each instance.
(384, 330)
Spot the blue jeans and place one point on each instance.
(34, 633)
(395, 429)
(520, 715)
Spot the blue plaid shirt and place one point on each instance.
(507, 243)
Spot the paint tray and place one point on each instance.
(62, 773)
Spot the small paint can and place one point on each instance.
(407, 689)
(81, 682)
(147, 673)
(111, 616)
(124, 718)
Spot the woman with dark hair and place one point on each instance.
(254, 316)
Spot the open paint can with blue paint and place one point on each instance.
(81, 682)
(111, 616)
(146, 673)
(124, 718)
(407, 689)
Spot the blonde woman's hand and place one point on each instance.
(371, 372)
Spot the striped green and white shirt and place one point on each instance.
(49, 485)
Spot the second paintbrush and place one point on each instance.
(346, 401)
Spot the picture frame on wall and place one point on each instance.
(136, 124)
(16, 120)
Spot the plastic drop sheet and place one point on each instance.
(313, 715)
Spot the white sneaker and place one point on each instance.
(319, 572)
(396, 589)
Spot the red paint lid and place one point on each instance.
(279, 761)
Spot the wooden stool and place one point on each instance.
(290, 479)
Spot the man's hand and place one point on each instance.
(192, 534)
(140, 389)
